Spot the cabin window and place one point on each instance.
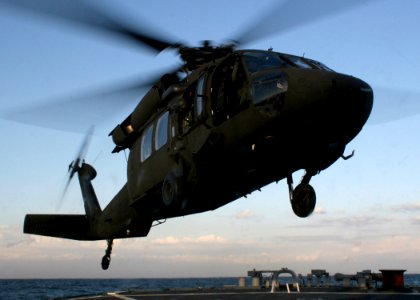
(200, 96)
(161, 137)
(146, 143)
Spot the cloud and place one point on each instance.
(11, 236)
(299, 238)
(171, 240)
(245, 214)
(344, 242)
(319, 210)
(415, 220)
(307, 258)
(369, 219)
(205, 239)
(211, 238)
(351, 221)
(406, 207)
(23, 241)
(15, 245)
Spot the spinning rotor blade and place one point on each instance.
(77, 162)
(80, 157)
(76, 112)
(290, 14)
(82, 13)
(393, 105)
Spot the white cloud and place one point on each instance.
(308, 258)
(416, 220)
(355, 220)
(347, 242)
(320, 210)
(211, 238)
(245, 214)
(171, 240)
(406, 207)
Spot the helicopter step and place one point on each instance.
(303, 197)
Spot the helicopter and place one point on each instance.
(228, 122)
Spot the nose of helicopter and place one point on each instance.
(352, 101)
(322, 104)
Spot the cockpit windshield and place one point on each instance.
(256, 61)
(299, 62)
(319, 65)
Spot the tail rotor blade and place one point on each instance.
(84, 146)
(75, 165)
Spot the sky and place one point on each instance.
(368, 207)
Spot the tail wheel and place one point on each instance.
(303, 200)
(172, 190)
(106, 260)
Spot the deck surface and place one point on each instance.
(234, 294)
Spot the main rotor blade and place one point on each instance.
(291, 14)
(393, 105)
(82, 13)
(77, 111)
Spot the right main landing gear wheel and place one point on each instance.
(303, 197)
(303, 200)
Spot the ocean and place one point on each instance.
(67, 288)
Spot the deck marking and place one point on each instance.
(116, 295)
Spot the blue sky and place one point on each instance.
(368, 209)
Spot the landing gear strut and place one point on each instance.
(303, 197)
(106, 260)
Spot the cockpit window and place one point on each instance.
(256, 61)
(299, 62)
(319, 65)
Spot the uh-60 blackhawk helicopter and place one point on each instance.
(235, 121)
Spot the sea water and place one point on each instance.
(66, 288)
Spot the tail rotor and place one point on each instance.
(75, 165)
